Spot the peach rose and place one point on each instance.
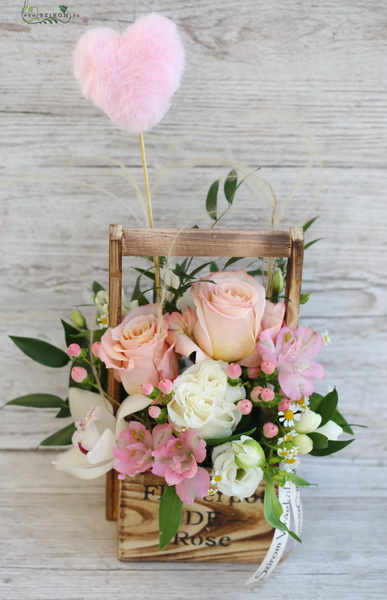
(231, 312)
(140, 349)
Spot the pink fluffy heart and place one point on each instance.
(131, 77)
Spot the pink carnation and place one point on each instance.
(291, 354)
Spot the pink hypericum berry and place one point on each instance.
(284, 405)
(74, 350)
(79, 374)
(166, 386)
(268, 367)
(154, 411)
(267, 395)
(253, 372)
(255, 392)
(147, 389)
(234, 371)
(270, 430)
(95, 348)
(245, 407)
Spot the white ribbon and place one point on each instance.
(290, 500)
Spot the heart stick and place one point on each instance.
(132, 77)
(156, 261)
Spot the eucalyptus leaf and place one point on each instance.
(309, 244)
(231, 438)
(333, 446)
(61, 437)
(212, 200)
(38, 401)
(170, 513)
(309, 224)
(230, 186)
(327, 407)
(231, 261)
(338, 418)
(70, 331)
(42, 352)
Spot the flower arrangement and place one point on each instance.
(217, 393)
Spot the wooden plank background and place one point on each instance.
(271, 84)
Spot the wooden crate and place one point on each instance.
(131, 502)
(218, 528)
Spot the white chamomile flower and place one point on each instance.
(303, 403)
(211, 492)
(325, 337)
(287, 453)
(102, 321)
(289, 416)
(290, 463)
(287, 437)
(216, 478)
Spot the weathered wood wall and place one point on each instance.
(266, 83)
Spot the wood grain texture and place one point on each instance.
(294, 278)
(216, 529)
(210, 242)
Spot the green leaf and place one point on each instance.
(198, 269)
(299, 481)
(146, 273)
(43, 352)
(319, 440)
(309, 223)
(327, 407)
(338, 418)
(70, 331)
(96, 335)
(309, 244)
(214, 267)
(137, 293)
(230, 186)
(212, 199)
(97, 287)
(333, 446)
(61, 437)
(272, 508)
(231, 261)
(314, 401)
(237, 436)
(38, 401)
(170, 513)
(63, 413)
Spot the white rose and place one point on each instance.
(248, 453)
(331, 430)
(203, 400)
(230, 480)
(308, 422)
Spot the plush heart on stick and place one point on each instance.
(131, 77)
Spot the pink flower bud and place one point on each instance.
(255, 392)
(147, 389)
(267, 395)
(270, 430)
(95, 348)
(234, 371)
(284, 404)
(79, 374)
(74, 350)
(166, 386)
(154, 411)
(253, 372)
(245, 407)
(268, 367)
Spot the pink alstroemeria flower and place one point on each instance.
(133, 453)
(292, 354)
(176, 460)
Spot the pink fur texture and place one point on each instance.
(131, 77)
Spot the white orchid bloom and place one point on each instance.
(97, 431)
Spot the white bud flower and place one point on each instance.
(248, 453)
(331, 430)
(308, 422)
(303, 443)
